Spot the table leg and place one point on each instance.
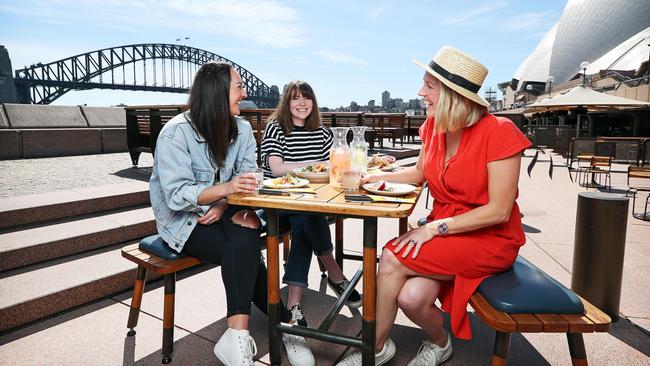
(338, 241)
(369, 289)
(273, 265)
(403, 225)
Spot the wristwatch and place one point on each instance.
(443, 229)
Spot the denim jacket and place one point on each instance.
(182, 169)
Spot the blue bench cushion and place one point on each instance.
(525, 289)
(155, 245)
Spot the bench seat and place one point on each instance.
(153, 254)
(524, 299)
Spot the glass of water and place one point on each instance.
(350, 179)
(259, 178)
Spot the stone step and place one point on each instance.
(30, 209)
(33, 244)
(45, 289)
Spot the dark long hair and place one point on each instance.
(209, 109)
(282, 112)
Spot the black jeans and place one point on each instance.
(237, 250)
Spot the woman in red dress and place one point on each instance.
(470, 159)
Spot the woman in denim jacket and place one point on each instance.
(202, 156)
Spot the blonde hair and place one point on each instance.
(454, 111)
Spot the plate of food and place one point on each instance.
(389, 189)
(317, 172)
(379, 162)
(287, 181)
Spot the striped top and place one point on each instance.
(300, 146)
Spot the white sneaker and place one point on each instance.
(431, 354)
(381, 357)
(298, 351)
(236, 348)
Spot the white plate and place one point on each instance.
(396, 189)
(312, 177)
(268, 183)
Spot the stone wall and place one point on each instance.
(38, 131)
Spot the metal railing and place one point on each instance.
(631, 150)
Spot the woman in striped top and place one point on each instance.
(294, 138)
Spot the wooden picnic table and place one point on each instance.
(387, 124)
(328, 200)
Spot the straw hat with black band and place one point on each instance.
(459, 71)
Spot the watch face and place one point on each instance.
(443, 228)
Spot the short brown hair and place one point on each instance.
(282, 112)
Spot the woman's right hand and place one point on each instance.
(243, 183)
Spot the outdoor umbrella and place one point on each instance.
(586, 97)
(582, 97)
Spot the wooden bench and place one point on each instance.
(143, 125)
(508, 320)
(168, 268)
(413, 124)
(591, 319)
(387, 125)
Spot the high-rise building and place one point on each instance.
(385, 99)
(371, 103)
(414, 104)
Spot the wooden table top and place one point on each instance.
(327, 200)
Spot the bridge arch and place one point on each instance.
(44, 83)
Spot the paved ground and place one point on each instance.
(96, 333)
(30, 176)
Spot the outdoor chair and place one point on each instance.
(640, 176)
(584, 161)
(601, 167)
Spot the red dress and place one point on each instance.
(459, 186)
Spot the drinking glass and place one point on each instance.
(350, 179)
(259, 178)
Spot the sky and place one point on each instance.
(347, 50)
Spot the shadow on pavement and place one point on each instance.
(632, 335)
(197, 347)
(138, 173)
(530, 229)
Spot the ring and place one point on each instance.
(411, 241)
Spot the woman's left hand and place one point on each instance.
(412, 241)
(370, 178)
(214, 213)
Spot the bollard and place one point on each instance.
(601, 224)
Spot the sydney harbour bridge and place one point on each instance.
(148, 67)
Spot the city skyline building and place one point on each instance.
(385, 99)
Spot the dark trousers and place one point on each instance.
(310, 234)
(237, 250)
